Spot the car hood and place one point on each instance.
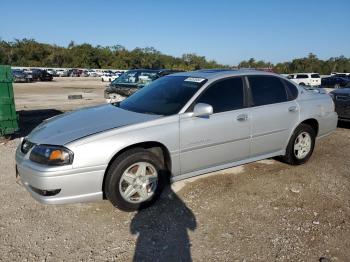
(343, 91)
(68, 127)
(114, 87)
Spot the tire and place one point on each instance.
(115, 186)
(102, 80)
(291, 154)
(302, 84)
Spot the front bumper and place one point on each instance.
(59, 185)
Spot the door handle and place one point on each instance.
(293, 109)
(242, 117)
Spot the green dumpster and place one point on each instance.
(8, 116)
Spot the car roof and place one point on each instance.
(220, 73)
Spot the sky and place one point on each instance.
(223, 30)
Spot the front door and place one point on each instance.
(221, 138)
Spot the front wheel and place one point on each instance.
(301, 145)
(135, 180)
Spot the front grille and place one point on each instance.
(26, 146)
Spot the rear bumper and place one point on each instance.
(63, 186)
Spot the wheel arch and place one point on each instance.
(309, 121)
(313, 123)
(155, 147)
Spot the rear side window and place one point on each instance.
(267, 90)
(315, 76)
(292, 90)
(225, 95)
(302, 76)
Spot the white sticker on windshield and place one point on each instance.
(195, 79)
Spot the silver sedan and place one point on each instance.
(179, 126)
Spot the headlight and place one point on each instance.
(51, 155)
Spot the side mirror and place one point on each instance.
(202, 110)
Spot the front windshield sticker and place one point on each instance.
(195, 79)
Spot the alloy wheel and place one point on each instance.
(138, 182)
(302, 145)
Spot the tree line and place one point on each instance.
(28, 52)
(311, 63)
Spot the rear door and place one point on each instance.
(274, 113)
(221, 138)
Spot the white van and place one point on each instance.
(306, 79)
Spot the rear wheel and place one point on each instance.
(301, 145)
(135, 180)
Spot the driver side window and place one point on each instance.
(225, 95)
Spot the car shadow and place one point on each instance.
(29, 119)
(162, 230)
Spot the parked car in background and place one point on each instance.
(335, 81)
(19, 76)
(178, 126)
(99, 73)
(29, 74)
(41, 75)
(92, 73)
(52, 72)
(132, 81)
(36, 74)
(84, 73)
(337, 73)
(306, 79)
(346, 76)
(75, 72)
(109, 77)
(341, 98)
(62, 72)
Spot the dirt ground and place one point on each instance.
(54, 94)
(266, 211)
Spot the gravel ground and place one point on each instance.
(265, 211)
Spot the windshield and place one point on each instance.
(135, 77)
(165, 96)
